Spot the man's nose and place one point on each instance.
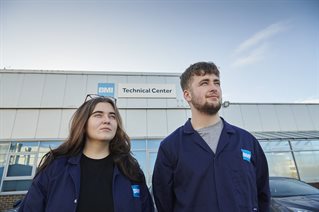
(213, 87)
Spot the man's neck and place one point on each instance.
(96, 150)
(201, 120)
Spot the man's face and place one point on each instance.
(204, 94)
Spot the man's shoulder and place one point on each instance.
(173, 140)
(237, 130)
(173, 135)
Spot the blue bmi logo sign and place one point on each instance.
(105, 89)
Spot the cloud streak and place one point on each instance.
(254, 48)
(254, 56)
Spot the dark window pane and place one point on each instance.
(16, 185)
(20, 165)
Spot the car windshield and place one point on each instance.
(290, 187)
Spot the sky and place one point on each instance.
(267, 51)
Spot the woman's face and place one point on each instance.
(102, 123)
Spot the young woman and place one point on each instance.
(93, 170)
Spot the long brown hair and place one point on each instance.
(120, 145)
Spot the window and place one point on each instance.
(145, 152)
(299, 145)
(4, 147)
(45, 147)
(16, 185)
(279, 157)
(281, 164)
(308, 166)
(307, 156)
(18, 163)
(275, 145)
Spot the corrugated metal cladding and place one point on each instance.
(39, 104)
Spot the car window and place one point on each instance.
(290, 187)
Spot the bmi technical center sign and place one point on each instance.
(146, 90)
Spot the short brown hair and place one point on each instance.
(198, 69)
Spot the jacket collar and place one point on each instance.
(75, 160)
(224, 139)
(188, 128)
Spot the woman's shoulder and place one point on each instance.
(58, 165)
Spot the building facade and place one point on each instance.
(36, 107)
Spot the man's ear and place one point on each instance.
(187, 95)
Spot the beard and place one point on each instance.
(207, 108)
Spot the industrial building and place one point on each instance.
(36, 107)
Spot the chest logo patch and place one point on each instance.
(246, 154)
(136, 190)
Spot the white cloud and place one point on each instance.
(254, 56)
(254, 48)
(262, 36)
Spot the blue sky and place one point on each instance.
(267, 51)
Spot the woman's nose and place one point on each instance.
(106, 120)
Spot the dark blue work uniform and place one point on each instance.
(189, 177)
(57, 188)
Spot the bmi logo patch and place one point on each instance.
(136, 190)
(246, 154)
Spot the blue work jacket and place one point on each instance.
(57, 188)
(189, 177)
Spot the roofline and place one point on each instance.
(77, 72)
(169, 74)
(272, 103)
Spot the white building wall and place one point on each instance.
(53, 91)
(269, 118)
(39, 105)
(314, 115)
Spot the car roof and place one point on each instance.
(282, 178)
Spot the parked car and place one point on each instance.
(289, 194)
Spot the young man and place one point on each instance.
(208, 164)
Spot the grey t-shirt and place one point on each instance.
(211, 134)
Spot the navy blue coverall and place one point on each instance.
(189, 177)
